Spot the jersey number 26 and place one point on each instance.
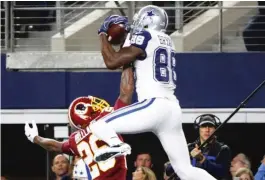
(86, 151)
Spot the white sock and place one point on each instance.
(105, 133)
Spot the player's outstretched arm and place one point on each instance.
(48, 144)
(126, 85)
(115, 60)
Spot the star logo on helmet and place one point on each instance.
(150, 13)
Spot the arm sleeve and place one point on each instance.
(119, 104)
(66, 147)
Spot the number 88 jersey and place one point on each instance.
(84, 144)
(155, 72)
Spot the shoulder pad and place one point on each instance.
(140, 40)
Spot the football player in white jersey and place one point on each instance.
(157, 110)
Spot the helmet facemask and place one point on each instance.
(98, 104)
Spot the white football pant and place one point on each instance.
(162, 117)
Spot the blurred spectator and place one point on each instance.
(3, 178)
(254, 33)
(260, 175)
(143, 173)
(60, 167)
(143, 159)
(215, 157)
(239, 161)
(168, 173)
(244, 174)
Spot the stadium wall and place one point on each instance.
(205, 80)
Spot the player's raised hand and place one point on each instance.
(122, 20)
(113, 19)
(105, 26)
(31, 133)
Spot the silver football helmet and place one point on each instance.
(150, 17)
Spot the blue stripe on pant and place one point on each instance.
(121, 110)
(128, 110)
(129, 106)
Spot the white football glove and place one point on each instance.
(31, 133)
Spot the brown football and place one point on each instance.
(116, 33)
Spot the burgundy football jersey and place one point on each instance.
(84, 144)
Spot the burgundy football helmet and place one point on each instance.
(85, 109)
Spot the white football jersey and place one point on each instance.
(155, 72)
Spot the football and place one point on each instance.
(116, 33)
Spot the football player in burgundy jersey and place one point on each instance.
(82, 143)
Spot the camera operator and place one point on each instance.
(214, 157)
